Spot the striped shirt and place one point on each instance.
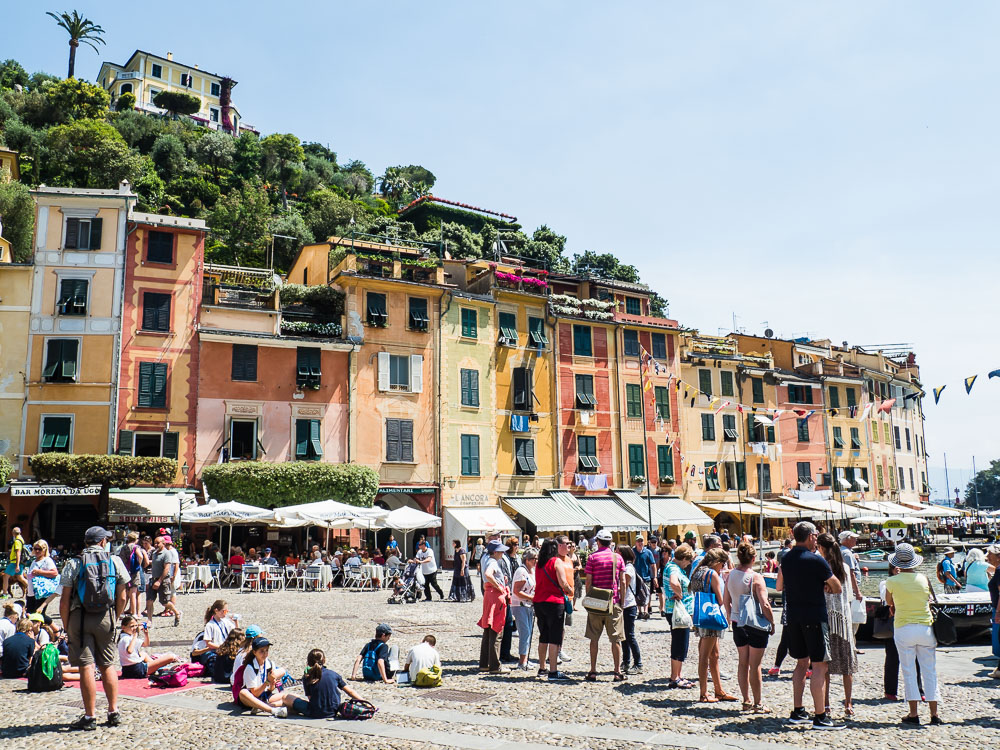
(604, 568)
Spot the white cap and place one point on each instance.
(604, 535)
(847, 535)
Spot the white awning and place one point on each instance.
(748, 510)
(481, 521)
(148, 506)
(557, 511)
(831, 507)
(612, 515)
(883, 506)
(935, 511)
(670, 510)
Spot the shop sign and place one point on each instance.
(469, 499)
(121, 518)
(52, 490)
(407, 490)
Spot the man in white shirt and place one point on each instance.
(847, 541)
(425, 556)
(422, 656)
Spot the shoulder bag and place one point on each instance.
(882, 628)
(708, 613)
(600, 601)
(750, 613)
(944, 627)
(567, 604)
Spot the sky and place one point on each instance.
(824, 169)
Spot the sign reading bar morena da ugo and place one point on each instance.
(52, 490)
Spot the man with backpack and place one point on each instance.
(378, 661)
(17, 562)
(91, 603)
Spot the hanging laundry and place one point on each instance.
(519, 423)
(887, 405)
(866, 412)
(585, 417)
(592, 481)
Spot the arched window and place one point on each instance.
(125, 89)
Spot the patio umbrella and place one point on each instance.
(231, 514)
(407, 519)
(329, 514)
(869, 519)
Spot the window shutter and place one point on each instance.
(96, 226)
(474, 387)
(770, 433)
(148, 314)
(53, 356)
(69, 358)
(392, 440)
(125, 441)
(171, 443)
(72, 233)
(406, 439)
(520, 385)
(160, 385)
(163, 314)
(301, 439)
(529, 454)
(145, 383)
(474, 454)
(416, 373)
(383, 371)
(466, 395)
(529, 388)
(316, 438)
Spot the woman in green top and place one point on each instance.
(675, 583)
(908, 596)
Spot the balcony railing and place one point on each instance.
(224, 295)
(129, 75)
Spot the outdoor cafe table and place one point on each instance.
(200, 573)
(374, 572)
(325, 576)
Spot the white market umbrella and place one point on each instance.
(869, 519)
(329, 514)
(938, 511)
(231, 514)
(407, 519)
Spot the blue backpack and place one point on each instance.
(369, 662)
(97, 581)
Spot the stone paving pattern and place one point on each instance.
(515, 710)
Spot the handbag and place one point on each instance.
(641, 592)
(567, 604)
(599, 601)
(750, 613)
(859, 612)
(681, 619)
(944, 626)
(708, 613)
(44, 587)
(882, 627)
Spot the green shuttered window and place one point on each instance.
(470, 455)
(153, 385)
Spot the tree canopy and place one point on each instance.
(987, 482)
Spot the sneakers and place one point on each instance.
(563, 657)
(799, 716)
(558, 677)
(637, 669)
(995, 674)
(85, 723)
(914, 720)
(936, 721)
(500, 670)
(114, 719)
(280, 712)
(773, 672)
(823, 721)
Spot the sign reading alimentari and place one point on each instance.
(52, 490)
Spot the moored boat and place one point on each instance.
(876, 559)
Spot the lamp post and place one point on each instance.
(180, 499)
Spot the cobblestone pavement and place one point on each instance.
(497, 711)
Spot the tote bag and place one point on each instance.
(750, 614)
(708, 613)
(681, 619)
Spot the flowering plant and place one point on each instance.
(321, 329)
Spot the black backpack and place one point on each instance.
(46, 658)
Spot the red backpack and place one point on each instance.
(238, 683)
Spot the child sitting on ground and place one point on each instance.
(323, 687)
(225, 656)
(422, 656)
(378, 661)
(136, 663)
(257, 683)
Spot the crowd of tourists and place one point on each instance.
(531, 588)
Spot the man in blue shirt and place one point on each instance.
(949, 572)
(645, 568)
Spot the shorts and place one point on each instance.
(550, 619)
(810, 641)
(11, 570)
(708, 632)
(746, 636)
(91, 641)
(162, 594)
(135, 671)
(301, 706)
(613, 625)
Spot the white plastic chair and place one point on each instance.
(187, 581)
(250, 578)
(215, 582)
(274, 578)
(353, 577)
(310, 578)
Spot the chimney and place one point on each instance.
(196, 67)
(170, 56)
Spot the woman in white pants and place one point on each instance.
(908, 596)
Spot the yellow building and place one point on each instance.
(721, 469)
(15, 310)
(145, 75)
(8, 163)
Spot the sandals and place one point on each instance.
(591, 677)
(848, 709)
(619, 677)
(686, 684)
(761, 708)
(747, 706)
(704, 698)
(726, 697)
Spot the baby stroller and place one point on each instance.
(407, 587)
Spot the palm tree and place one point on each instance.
(80, 29)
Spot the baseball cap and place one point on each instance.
(167, 539)
(253, 631)
(383, 629)
(95, 534)
(259, 642)
(36, 617)
(689, 535)
(267, 549)
(496, 546)
(847, 535)
(604, 535)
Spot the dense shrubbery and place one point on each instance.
(110, 471)
(271, 485)
(6, 470)
(326, 301)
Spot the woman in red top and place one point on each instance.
(236, 559)
(553, 582)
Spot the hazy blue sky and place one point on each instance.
(830, 168)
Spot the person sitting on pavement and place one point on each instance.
(378, 660)
(17, 652)
(322, 688)
(136, 663)
(218, 624)
(422, 656)
(251, 632)
(261, 681)
(225, 656)
(8, 623)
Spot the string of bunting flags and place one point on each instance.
(969, 382)
(688, 391)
